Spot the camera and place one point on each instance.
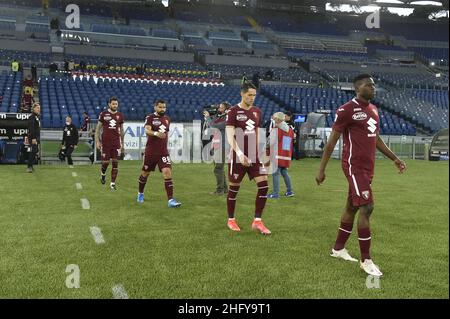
(211, 109)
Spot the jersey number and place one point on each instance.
(166, 160)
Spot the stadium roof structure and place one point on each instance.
(392, 3)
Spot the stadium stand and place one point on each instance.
(10, 91)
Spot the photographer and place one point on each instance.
(69, 141)
(217, 120)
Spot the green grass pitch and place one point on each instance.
(156, 252)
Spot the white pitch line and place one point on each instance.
(85, 203)
(97, 234)
(119, 292)
(74, 174)
(78, 186)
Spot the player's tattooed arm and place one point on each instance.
(230, 132)
(150, 132)
(382, 147)
(327, 151)
(97, 135)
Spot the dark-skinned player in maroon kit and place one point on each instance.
(358, 122)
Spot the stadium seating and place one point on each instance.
(306, 100)
(416, 109)
(128, 66)
(37, 27)
(237, 71)
(319, 55)
(60, 97)
(164, 33)
(10, 91)
(7, 23)
(26, 58)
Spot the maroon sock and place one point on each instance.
(261, 198)
(231, 200)
(142, 182)
(114, 171)
(343, 234)
(364, 242)
(169, 188)
(104, 167)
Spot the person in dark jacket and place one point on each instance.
(218, 122)
(70, 139)
(34, 135)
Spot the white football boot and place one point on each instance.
(343, 253)
(369, 267)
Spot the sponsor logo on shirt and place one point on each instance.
(371, 135)
(250, 125)
(112, 124)
(107, 117)
(372, 125)
(241, 117)
(162, 129)
(356, 109)
(156, 122)
(341, 109)
(360, 116)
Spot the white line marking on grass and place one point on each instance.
(78, 186)
(74, 174)
(85, 203)
(97, 234)
(119, 292)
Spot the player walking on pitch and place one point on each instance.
(358, 122)
(243, 121)
(156, 152)
(110, 122)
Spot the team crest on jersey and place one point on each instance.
(360, 116)
(156, 122)
(365, 194)
(255, 114)
(241, 117)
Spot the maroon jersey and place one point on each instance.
(359, 123)
(246, 123)
(156, 145)
(111, 128)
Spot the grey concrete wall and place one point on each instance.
(246, 60)
(24, 45)
(129, 53)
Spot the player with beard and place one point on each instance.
(157, 127)
(110, 122)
